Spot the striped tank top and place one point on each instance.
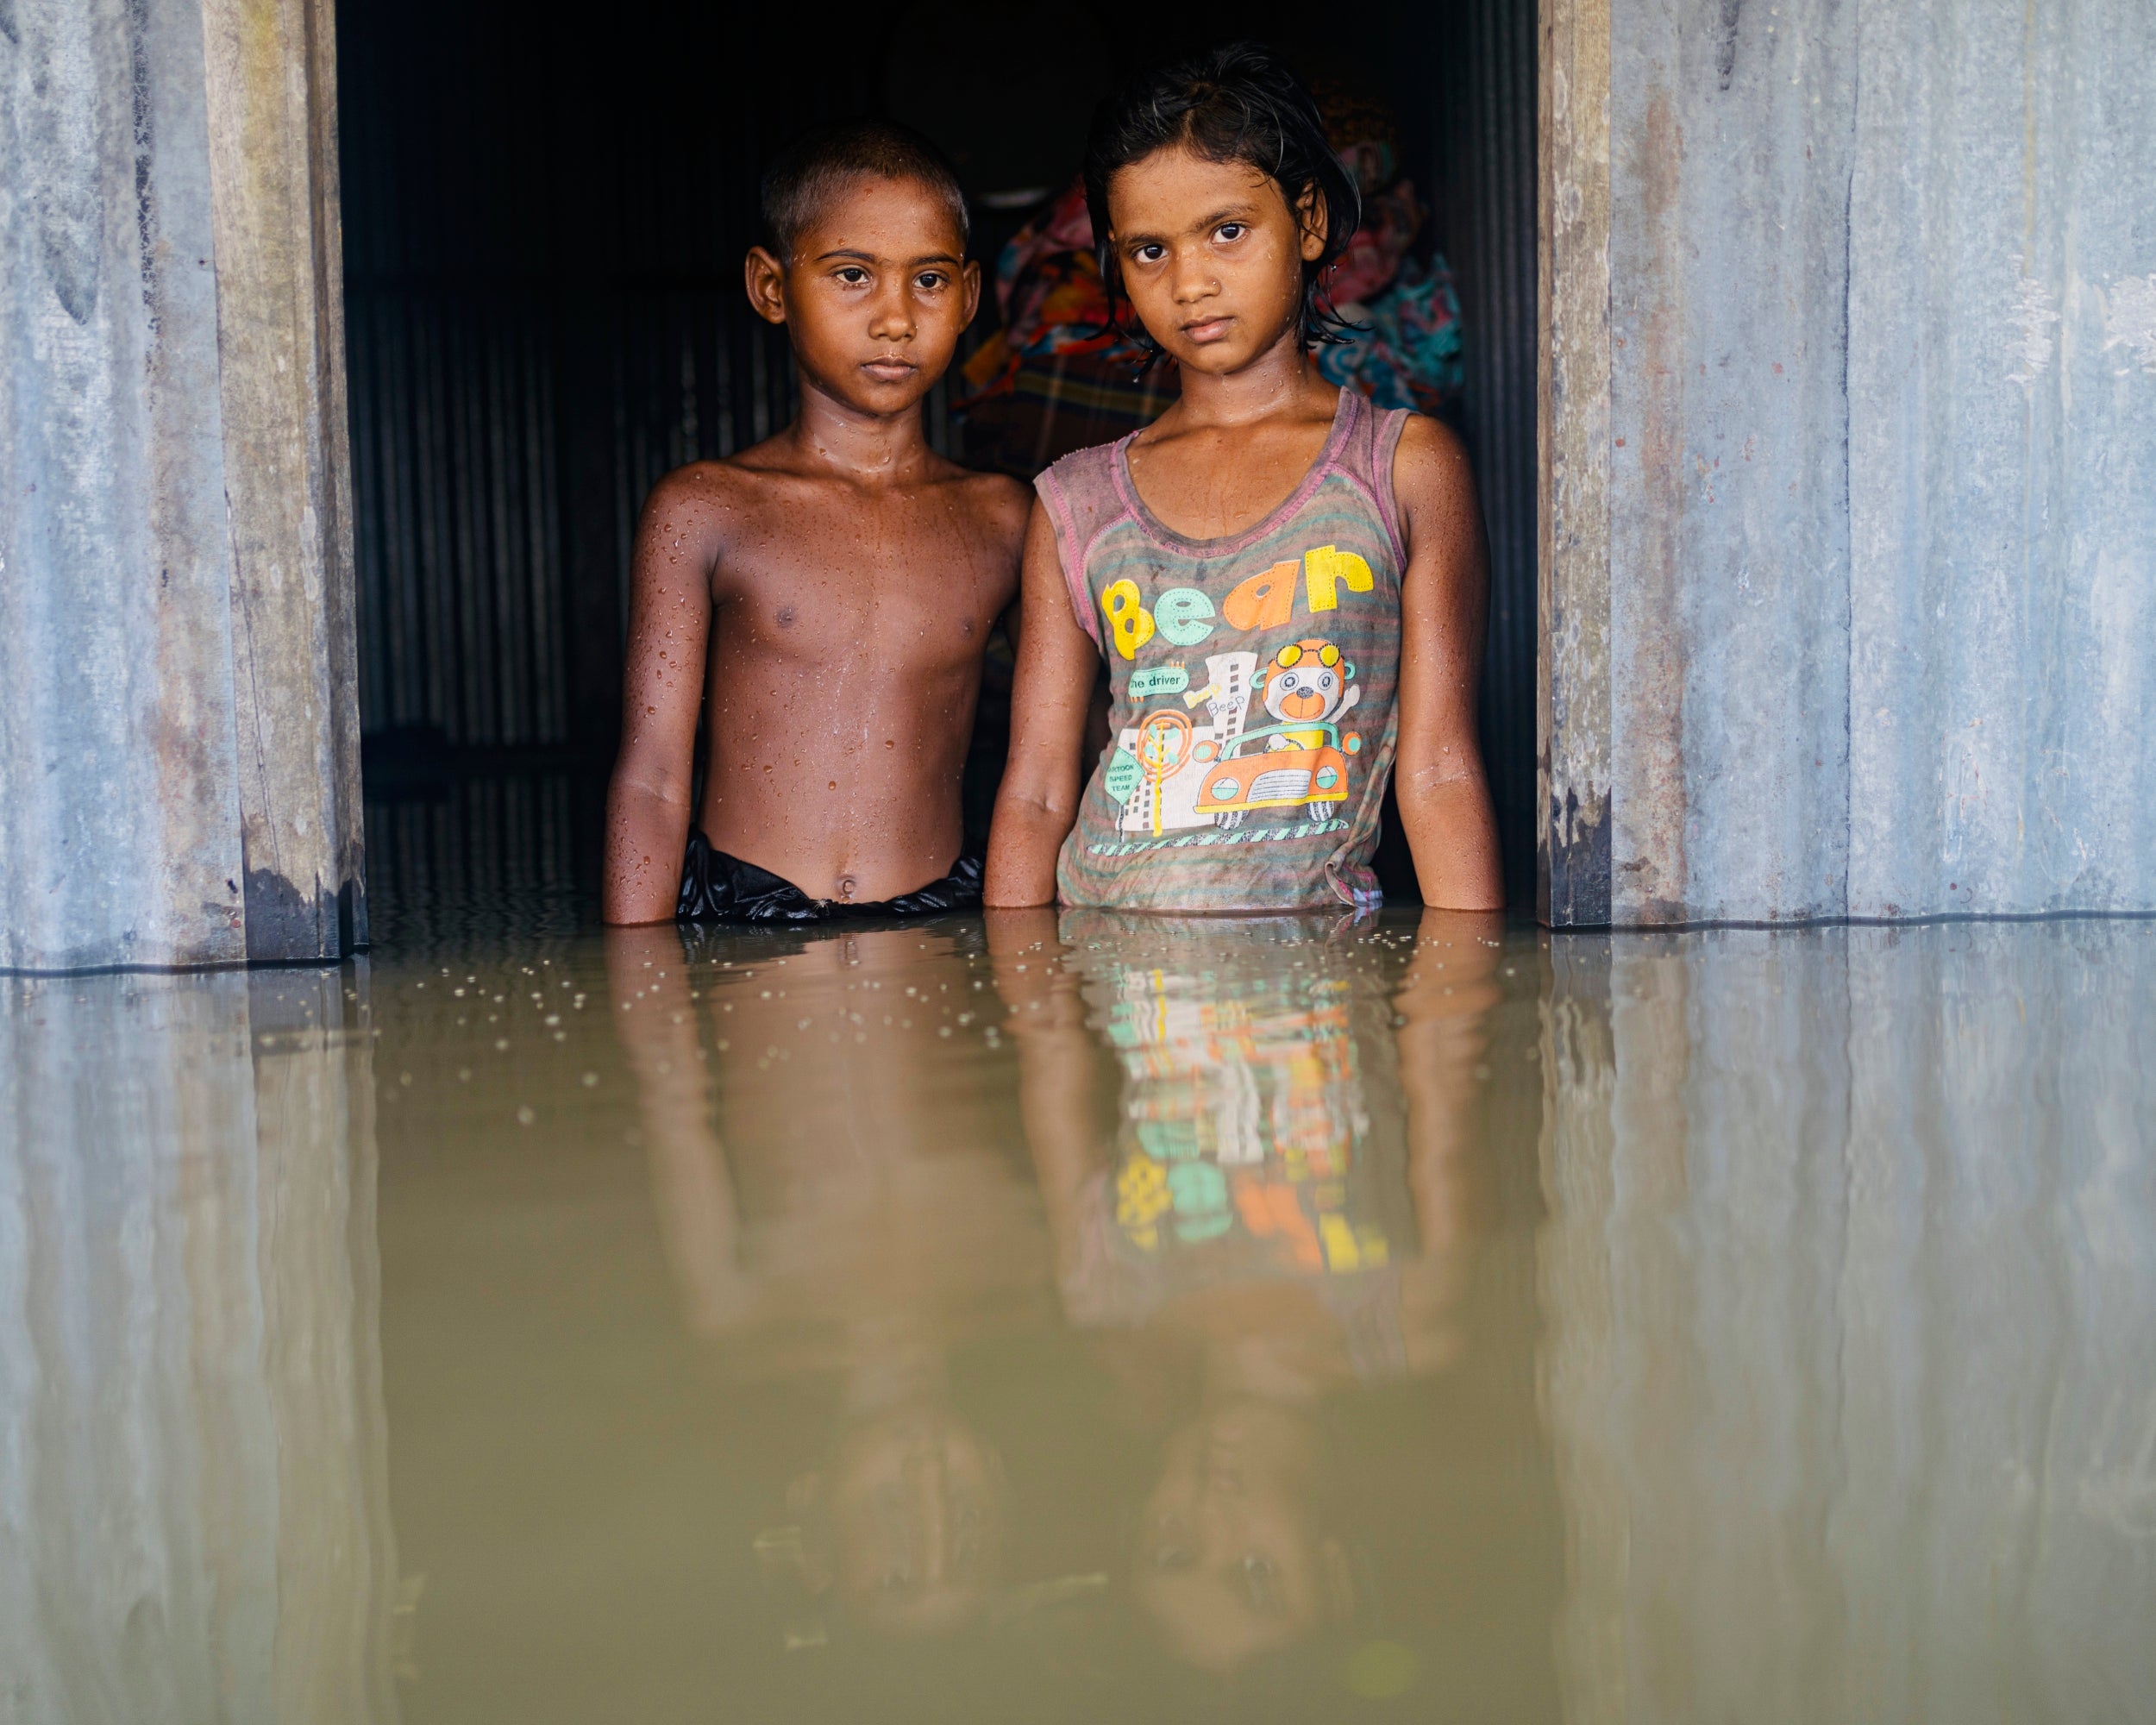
(1253, 679)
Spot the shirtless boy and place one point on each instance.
(825, 597)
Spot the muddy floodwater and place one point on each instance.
(1085, 1318)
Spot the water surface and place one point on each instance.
(1081, 1317)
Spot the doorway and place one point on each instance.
(545, 213)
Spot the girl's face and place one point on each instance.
(1210, 256)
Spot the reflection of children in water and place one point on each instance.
(828, 1209)
(1277, 1211)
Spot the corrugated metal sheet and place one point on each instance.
(1845, 1281)
(2003, 459)
(544, 229)
(505, 849)
(116, 621)
(1881, 552)
(1487, 70)
(179, 739)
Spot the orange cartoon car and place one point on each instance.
(1273, 777)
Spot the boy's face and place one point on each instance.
(875, 295)
(1210, 256)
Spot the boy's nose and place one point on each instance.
(893, 320)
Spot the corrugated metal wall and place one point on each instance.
(1487, 65)
(544, 225)
(1878, 407)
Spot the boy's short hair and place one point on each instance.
(804, 177)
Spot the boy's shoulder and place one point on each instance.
(999, 498)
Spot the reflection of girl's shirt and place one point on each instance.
(1259, 1124)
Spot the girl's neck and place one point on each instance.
(1279, 380)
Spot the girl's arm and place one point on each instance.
(1042, 780)
(1438, 774)
(662, 694)
(1059, 1071)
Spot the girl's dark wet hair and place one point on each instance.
(1235, 104)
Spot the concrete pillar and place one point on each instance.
(1849, 532)
(179, 722)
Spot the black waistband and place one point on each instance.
(718, 887)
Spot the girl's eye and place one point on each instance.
(1151, 254)
(1231, 230)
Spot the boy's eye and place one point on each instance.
(1229, 231)
(929, 279)
(853, 275)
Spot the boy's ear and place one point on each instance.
(969, 272)
(766, 279)
(1310, 217)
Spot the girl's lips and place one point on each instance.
(1207, 329)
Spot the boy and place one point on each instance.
(854, 574)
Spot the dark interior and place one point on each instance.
(545, 212)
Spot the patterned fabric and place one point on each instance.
(1252, 680)
(717, 887)
(1407, 351)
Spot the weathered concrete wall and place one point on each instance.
(194, 1502)
(179, 755)
(1850, 1248)
(1877, 418)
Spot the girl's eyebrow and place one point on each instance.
(1233, 212)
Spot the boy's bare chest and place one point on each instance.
(817, 579)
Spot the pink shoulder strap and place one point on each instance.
(1079, 493)
(1365, 458)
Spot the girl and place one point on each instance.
(1287, 583)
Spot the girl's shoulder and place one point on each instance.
(1083, 498)
(1082, 472)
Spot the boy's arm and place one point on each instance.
(1438, 774)
(1039, 799)
(662, 695)
(656, 1021)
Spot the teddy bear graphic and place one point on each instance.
(1308, 684)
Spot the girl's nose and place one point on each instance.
(1194, 279)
